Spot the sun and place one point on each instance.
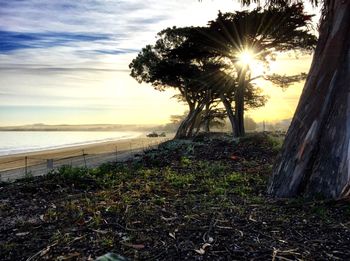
(246, 58)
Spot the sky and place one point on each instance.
(66, 62)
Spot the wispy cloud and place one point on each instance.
(83, 29)
(11, 41)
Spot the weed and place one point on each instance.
(178, 180)
(28, 177)
(51, 214)
(159, 200)
(243, 191)
(321, 212)
(236, 178)
(275, 142)
(68, 172)
(107, 241)
(8, 246)
(185, 161)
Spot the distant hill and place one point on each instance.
(85, 127)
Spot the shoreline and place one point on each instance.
(89, 155)
(71, 146)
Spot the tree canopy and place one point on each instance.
(201, 62)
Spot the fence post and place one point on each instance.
(130, 146)
(49, 163)
(26, 164)
(84, 159)
(116, 153)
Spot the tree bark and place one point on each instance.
(239, 104)
(182, 129)
(230, 113)
(207, 118)
(186, 127)
(315, 158)
(193, 118)
(207, 111)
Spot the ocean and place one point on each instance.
(13, 142)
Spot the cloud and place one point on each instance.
(11, 41)
(48, 69)
(118, 51)
(65, 33)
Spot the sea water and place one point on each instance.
(13, 142)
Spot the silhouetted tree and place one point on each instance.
(158, 66)
(204, 71)
(263, 31)
(226, 87)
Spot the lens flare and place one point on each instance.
(246, 58)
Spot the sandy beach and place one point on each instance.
(91, 155)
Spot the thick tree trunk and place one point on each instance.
(315, 158)
(239, 104)
(193, 118)
(230, 114)
(181, 132)
(207, 118)
(186, 127)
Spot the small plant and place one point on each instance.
(275, 142)
(159, 200)
(72, 173)
(179, 180)
(243, 191)
(28, 176)
(185, 161)
(107, 241)
(236, 178)
(217, 169)
(51, 214)
(218, 191)
(320, 211)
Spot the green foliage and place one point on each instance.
(236, 178)
(185, 161)
(179, 180)
(275, 142)
(72, 173)
(28, 176)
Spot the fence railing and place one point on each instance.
(40, 163)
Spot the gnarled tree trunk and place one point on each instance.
(239, 104)
(193, 119)
(186, 127)
(207, 118)
(182, 129)
(315, 158)
(230, 113)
